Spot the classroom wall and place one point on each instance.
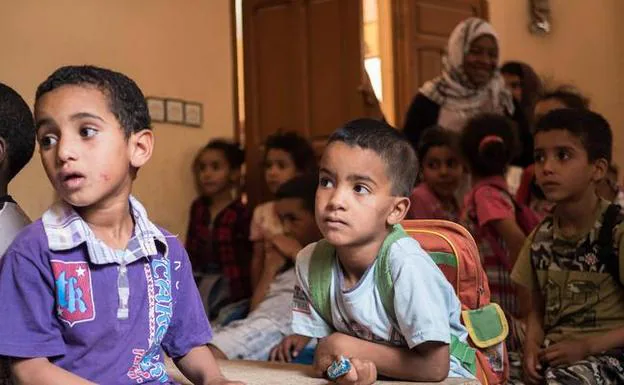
(170, 48)
(583, 49)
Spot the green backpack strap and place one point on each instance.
(383, 275)
(466, 354)
(319, 279)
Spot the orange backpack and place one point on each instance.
(455, 252)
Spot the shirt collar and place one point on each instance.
(65, 230)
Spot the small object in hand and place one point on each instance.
(338, 368)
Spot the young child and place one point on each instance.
(217, 240)
(253, 337)
(286, 155)
(488, 144)
(575, 332)
(441, 171)
(359, 205)
(95, 291)
(17, 144)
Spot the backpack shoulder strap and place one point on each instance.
(319, 279)
(605, 242)
(383, 275)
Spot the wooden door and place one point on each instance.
(421, 32)
(303, 68)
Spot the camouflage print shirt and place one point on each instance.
(580, 295)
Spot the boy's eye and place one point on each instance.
(88, 132)
(563, 155)
(361, 189)
(47, 141)
(538, 157)
(325, 182)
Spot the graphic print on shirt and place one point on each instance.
(74, 292)
(147, 363)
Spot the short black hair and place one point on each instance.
(590, 127)
(17, 128)
(126, 101)
(297, 146)
(568, 95)
(393, 148)
(436, 136)
(489, 142)
(233, 153)
(300, 187)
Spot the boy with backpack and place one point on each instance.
(359, 205)
(572, 262)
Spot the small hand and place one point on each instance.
(566, 352)
(273, 259)
(363, 372)
(531, 365)
(289, 348)
(328, 350)
(288, 246)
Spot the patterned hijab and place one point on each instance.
(453, 91)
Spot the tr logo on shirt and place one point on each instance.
(74, 298)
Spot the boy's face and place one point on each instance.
(298, 222)
(442, 170)
(83, 147)
(279, 168)
(214, 174)
(562, 168)
(354, 201)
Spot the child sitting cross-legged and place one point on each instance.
(253, 337)
(367, 173)
(572, 263)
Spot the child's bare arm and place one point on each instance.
(40, 371)
(272, 263)
(200, 367)
(513, 236)
(534, 339)
(426, 362)
(257, 260)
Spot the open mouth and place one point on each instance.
(71, 180)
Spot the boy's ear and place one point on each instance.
(401, 205)
(141, 145)
(600, 169)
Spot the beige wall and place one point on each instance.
(584, 49)
(170, 48)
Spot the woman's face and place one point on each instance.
(481, 60)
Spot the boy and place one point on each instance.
(95, 290)
(252, 338)
(574, 328)
(17, 144)
(360, 202)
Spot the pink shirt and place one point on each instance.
(426, 205)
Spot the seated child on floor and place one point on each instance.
(572, 263)
(253, 337)
(286, 155)
(441, 172)
(17, 144)
(367, 173)
(217, 240)
(95, 291)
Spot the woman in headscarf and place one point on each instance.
(470, 83)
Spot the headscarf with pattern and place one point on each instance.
(453, 91)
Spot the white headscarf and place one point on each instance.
(458, 98)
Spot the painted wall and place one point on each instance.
(173, 49)
(584, 49)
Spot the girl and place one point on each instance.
(488, 144)
(441, 173)
(217, 239)
(286, 155)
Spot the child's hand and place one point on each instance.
(363, 372)
(286, 245)
(566, 352)
(531, 365)
(289, 348)
(328, 350)
(273, 259)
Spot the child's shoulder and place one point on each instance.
(407, 253)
